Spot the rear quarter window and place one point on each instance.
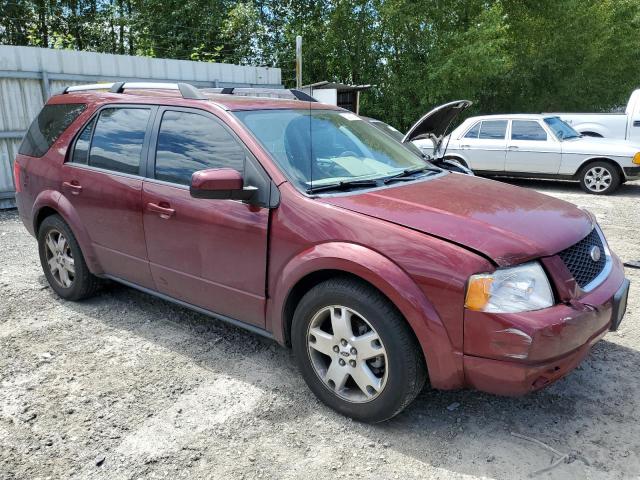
(48, 126)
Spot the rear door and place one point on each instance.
(484, 145)
(102, 180)
(208, 253)
(532, 149)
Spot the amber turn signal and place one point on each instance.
(478, 292)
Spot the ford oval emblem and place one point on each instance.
(595, 253)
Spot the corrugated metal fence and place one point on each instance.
(30, 75)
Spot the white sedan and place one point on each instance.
(540, 146)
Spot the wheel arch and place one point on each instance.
(591, 160)
(589, 133)
(358, 262)
(459, 158)
(53, 203)
(592, 128)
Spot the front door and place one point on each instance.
(531, 149)
(102, 180)
(208, 253)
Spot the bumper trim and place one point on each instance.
(631, 172)
(619, 305)
(501, 377)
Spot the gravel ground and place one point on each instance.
(128, 386)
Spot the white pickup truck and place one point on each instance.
(625, 125)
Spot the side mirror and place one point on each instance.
(220, 184)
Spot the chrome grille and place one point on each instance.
(578, 259)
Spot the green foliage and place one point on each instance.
(505, 55)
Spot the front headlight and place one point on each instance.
(510, 290)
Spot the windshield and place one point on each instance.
(561, 129)
(325, 147)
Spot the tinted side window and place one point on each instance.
(118, 138)
(473, 133)
(188, 142)
(494, 129)
(527, 130)
(48, 126)
(81, 150)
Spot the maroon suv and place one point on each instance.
(302, 222)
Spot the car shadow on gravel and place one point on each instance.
(592, 402)
(463, 431)
(629, 189)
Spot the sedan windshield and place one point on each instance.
(317, 148)
(561, 129)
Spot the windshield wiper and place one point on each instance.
(343, 185)
(406, 174)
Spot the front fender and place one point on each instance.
(444, 364)
(67, 211)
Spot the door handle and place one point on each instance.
(465, 146)
(513, 147)
(73, 186)
(636, 123)
(165, 212)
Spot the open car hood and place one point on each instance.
(436, 123)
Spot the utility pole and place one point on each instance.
(298, 61)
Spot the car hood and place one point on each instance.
(505, 223)
(605, 146)
(436, 123)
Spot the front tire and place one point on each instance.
(599, 178)
(355, 350)
(62, 260)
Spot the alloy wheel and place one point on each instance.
(598, 179)
(59, 258)
(347, 354)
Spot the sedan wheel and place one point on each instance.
(599, 178)
(347, 354)
(59, 258)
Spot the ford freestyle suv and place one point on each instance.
(302, 222)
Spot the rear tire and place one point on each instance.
(62, 261)
(355, 350)
(599, 178)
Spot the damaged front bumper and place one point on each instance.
(513, 354)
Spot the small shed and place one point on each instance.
(340, 94)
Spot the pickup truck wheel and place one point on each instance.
(355, 351)
(62, 261)
(599, 178)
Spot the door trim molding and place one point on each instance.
(232, 321)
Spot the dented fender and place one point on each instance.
(444, 364)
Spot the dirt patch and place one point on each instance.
(128, 386)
